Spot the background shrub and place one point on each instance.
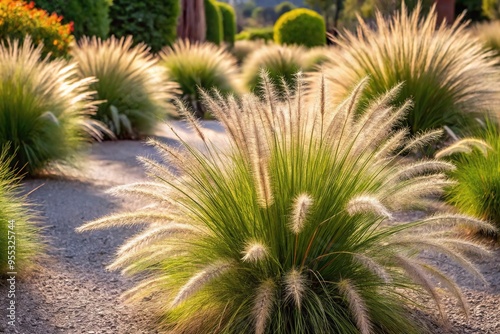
(300, 26)
(368, 8)
(283, 8)
(472, 8)
(44, 108)
(13, 207)
(134, 89)
(253, 34)
(199, 65)
(264, 16)
(153, 22)
(18, 19)
(228, 22)
(477, 191)
(491, 9)
(213, 19)
(446, 72)
(89, 17)
(285, 231)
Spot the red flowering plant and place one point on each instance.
(20, 18)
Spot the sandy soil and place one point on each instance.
(72, 292)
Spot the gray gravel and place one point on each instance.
(72, 292)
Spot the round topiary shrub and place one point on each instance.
(19, 18)
(213, 19)
(89, 17)
(228, 22)
(300, 26)
(153, 22)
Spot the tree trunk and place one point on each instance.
(192, 24)
(445, 11)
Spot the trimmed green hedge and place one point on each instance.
(256, 34)
(89, 17)
(213, 18)
(153, 22)
(228, 22)
(300, 26)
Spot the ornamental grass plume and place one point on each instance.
(288, 227)
(282, 63)
(242, 49)
(45, 108)
(444, 69)
(200, 66)
(133, 89)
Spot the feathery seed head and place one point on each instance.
(367, 205)
(263, 303)
(295, 286)
(301, 207)
(197, 282)
(465, 145)
(356, 304)
(254, 252)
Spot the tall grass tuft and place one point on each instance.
(44, 108)
(195, 66)
(488, 35)
(290, 230)
(477, 191)
(445, 70)
(20, 242)
(133, 89)
(243, 48)
(282, 63)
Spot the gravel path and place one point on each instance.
(73, 293)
